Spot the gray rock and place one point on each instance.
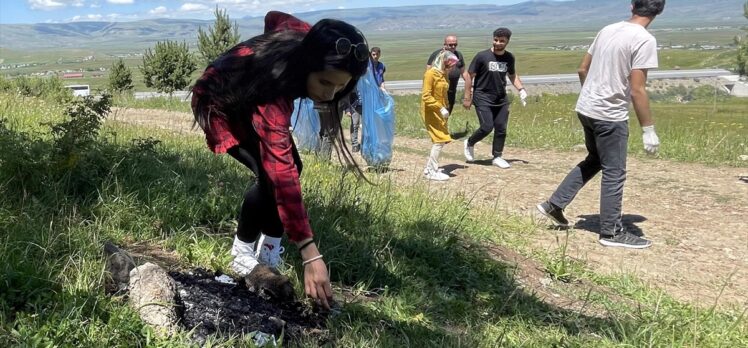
(118, 266)
(153, 295)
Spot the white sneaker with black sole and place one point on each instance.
(625, 240)
(468, 151)
(501, 163)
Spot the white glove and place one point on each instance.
(651, 141)
(444, 112)
(523, 96)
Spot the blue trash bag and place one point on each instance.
(306, 125)
(377, 122)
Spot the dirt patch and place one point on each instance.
(212, 307)
(261, 306)
(696, 215)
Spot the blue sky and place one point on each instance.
(61, 11)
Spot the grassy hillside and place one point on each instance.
(405, 53)
(419, 256)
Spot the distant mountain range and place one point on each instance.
(539, 14)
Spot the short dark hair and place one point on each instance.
(376, 49)
(503, 32)
(647, 8)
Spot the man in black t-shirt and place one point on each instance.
(450, 44)
(489, 70)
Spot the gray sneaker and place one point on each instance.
(625, 240)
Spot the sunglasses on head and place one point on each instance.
(360, 50)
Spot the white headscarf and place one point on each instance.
(444, 59)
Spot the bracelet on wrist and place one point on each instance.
(306, 244)
(318, 257)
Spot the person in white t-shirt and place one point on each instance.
(612, 73)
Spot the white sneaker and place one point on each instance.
(436, 176)
(501, 163)
(426, 171)
(244, 264)
(244, 257)
(268, 254)
(241, 248)
(468, 150)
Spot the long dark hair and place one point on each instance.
(279, 66)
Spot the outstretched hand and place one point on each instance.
(316, 279)
(317, 283)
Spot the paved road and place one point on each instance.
(566, 78)
(526, 79)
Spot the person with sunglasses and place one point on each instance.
(450, 44)
(244, 103)
(434, 110)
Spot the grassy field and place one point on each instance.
(708, 129)
(698, 131)
(125, 186)
(405, 53)
(67, 191)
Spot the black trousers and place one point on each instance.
(492, 118)
(451, 95)
(259, 211)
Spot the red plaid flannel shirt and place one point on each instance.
(271, 122)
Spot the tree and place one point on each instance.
(120, 77)
(219, 38)
(742, 44)
(168, 67)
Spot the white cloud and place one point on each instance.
(46, 4)
(120, 2)
(95, 17)
(158, 10)
(187, 7)
(88, 17)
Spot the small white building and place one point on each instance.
(80, 90)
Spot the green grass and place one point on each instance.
(405, 53)
(701, 131)
(162, 103)
(405, 244)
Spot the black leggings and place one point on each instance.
(259, 211)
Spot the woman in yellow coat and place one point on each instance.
(434, 110)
